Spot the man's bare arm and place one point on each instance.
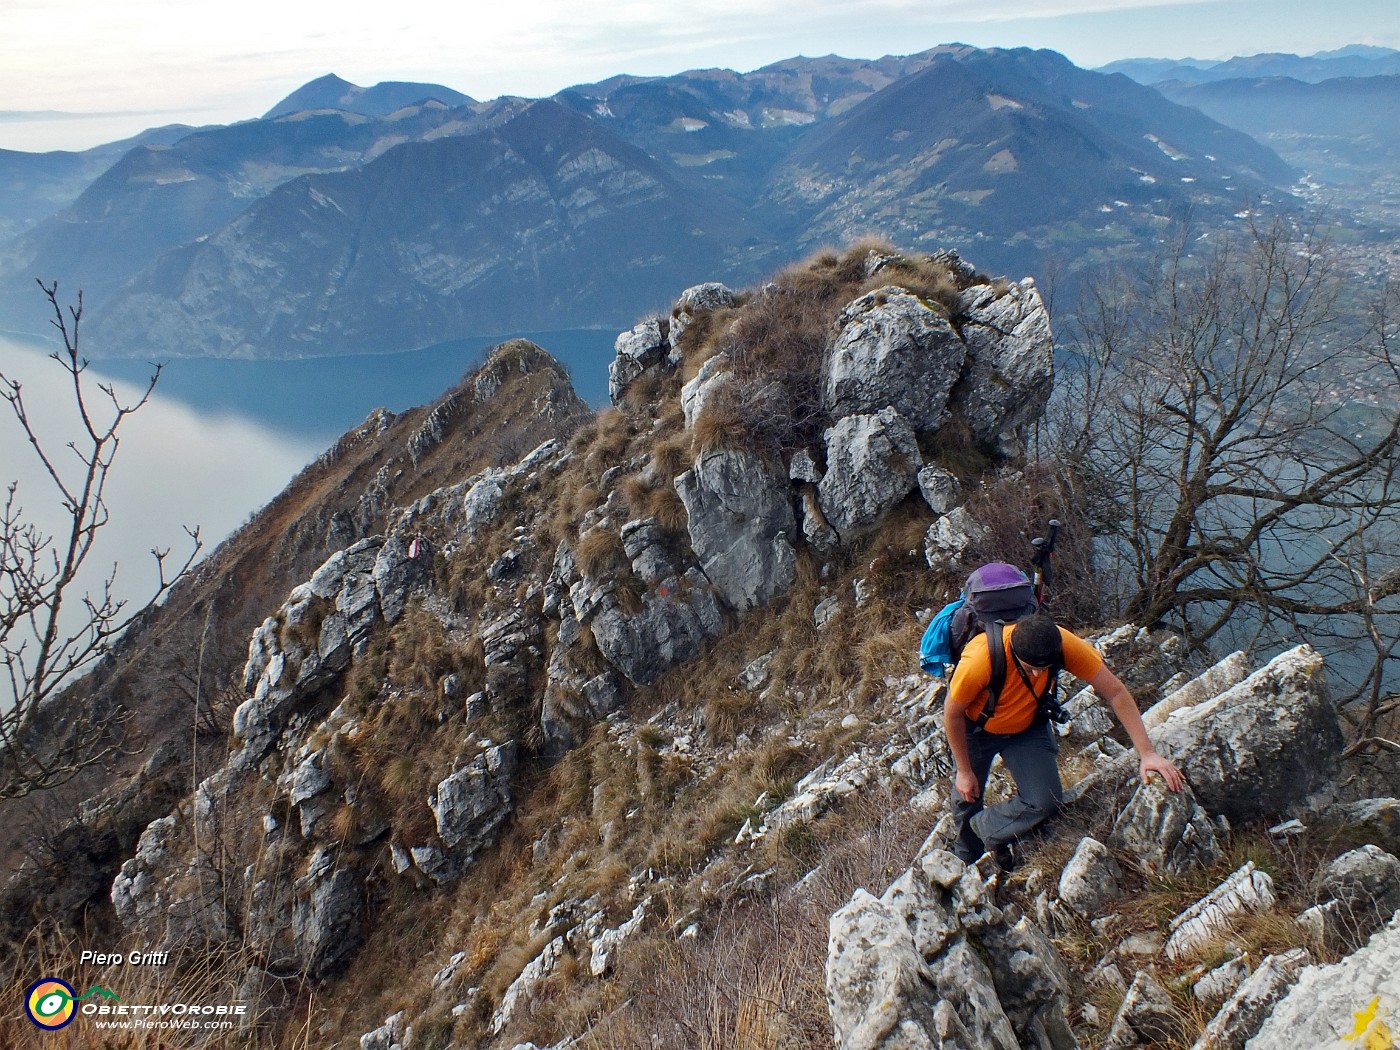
(1108, 686)
(955, 728)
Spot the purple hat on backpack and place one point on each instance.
(1000, 591)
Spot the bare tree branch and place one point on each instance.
(45, 646)
(1215, 403)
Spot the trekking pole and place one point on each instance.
(1044, 548)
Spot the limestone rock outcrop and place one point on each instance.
(712, 295)
(741, 526)
(872, 462)
(894, 350)
(1091, 878)
(1248, 889)
(469, 807)
(1240, 1017)
(1259, 749)
(934, 963)
(311, 639)
(1263, 746)
(1167, 831)
(1011, 360)
(1347, 1004)
(637, 350)
(1358, 892)
(330, 902)
(1148, 1017)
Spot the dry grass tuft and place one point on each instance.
(600, 554)
(613, 432)
(665, 505)
(629, 594)
(346, 824)
(724, 714)
(636, 491)
(399, 778)
(724, 423)
(671, 456)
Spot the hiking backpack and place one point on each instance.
(994, 595)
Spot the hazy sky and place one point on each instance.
(138, 63)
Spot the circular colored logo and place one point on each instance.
(50, 1003)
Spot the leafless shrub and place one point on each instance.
(45, 741)
(1208, 399)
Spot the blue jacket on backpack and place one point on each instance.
(936, 648)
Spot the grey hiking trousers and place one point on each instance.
(1030, 757)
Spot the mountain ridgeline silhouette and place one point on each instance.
(395, 217)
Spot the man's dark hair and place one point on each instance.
(1036, 641)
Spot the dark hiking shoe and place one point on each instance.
(966, 855)
(1008, 858)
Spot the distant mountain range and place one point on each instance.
(165, 194)
(354, 219)
(40, 184)
(1334, 115)
(1345, 130)
(1355, 61)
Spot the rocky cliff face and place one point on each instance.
(614, 741)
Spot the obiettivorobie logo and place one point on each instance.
(52, 1004)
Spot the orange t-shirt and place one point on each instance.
(1016, 708)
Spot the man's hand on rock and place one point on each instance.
(1165, 768)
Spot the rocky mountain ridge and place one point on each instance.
(613, 741)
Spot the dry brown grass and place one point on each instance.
(368, 674)
(306, 632)
(346, 824)
(664, 504)
(600, 554)
(724, 423)
(671, 456)
(636, 489)
(399, 778)
(754, 975)
(629, 594)
(420, 654)
(652, 386)
(613, 433)
(699, 335)
(209, 977)
(725, 712)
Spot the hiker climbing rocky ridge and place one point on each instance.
(1157, 834)
(602, 711)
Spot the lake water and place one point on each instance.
(219, 438)
(175, 467)
(323, 397)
